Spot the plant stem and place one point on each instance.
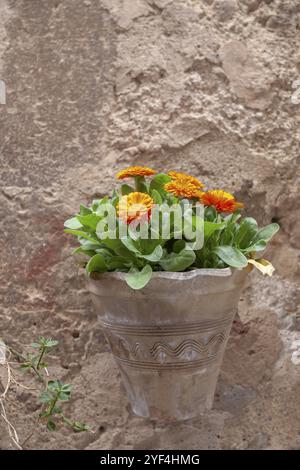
(54, 403)
(136, 183)
(41, 357)
(41, 378)
(139, 183)
(67, 420)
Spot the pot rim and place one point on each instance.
(216, 272)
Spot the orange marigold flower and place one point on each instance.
(222, 201)
(184, 178)
(135, 206)
(135, 171)
(183, 189)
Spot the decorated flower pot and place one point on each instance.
(169, 338)
(165, 262)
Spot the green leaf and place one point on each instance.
(51, 426)
(231, 256)
(125, 253)
(257, 246)
(96, 264)
(89, 220)
(114, 201)
(130, 245)
(25, 366)
(267, 232)
(211, 227)
(118, 263)
(161, 179)
(50, 343)
(105, 252)
(126, 189)
(45, 397)
(210, 214)
(178, 246)
(84, 210)
(171, 199)
(88, 245)
(57, 410)
(148, 245)
(246, 232)
(156, 196)
(80, 233)
(178, 261)
(138, 279)
(158, 182)
(73, 223)
(105, 200)
(135, 248)
(232, 218)
(80, 427)
(54, 385)
(227, 236)
(64, 396)
(193, 228)
(95, 204)
(154, 256)
(83, 251)
(112, 244)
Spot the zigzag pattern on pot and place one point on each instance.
(186, 346)
(135, 349)
(180, 346)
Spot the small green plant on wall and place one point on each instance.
(53, 394)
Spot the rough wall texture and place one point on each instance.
(212, 87)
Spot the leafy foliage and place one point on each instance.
(229, 239)
(54, 393)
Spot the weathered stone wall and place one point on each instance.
(211, 87)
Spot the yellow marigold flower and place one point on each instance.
(184, 178)
(183, 189)
(222, 201)
(135, 206)
(135, 171)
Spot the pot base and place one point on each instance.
(169, 398)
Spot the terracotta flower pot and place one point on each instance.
(168, 339)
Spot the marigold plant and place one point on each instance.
(153, 223)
